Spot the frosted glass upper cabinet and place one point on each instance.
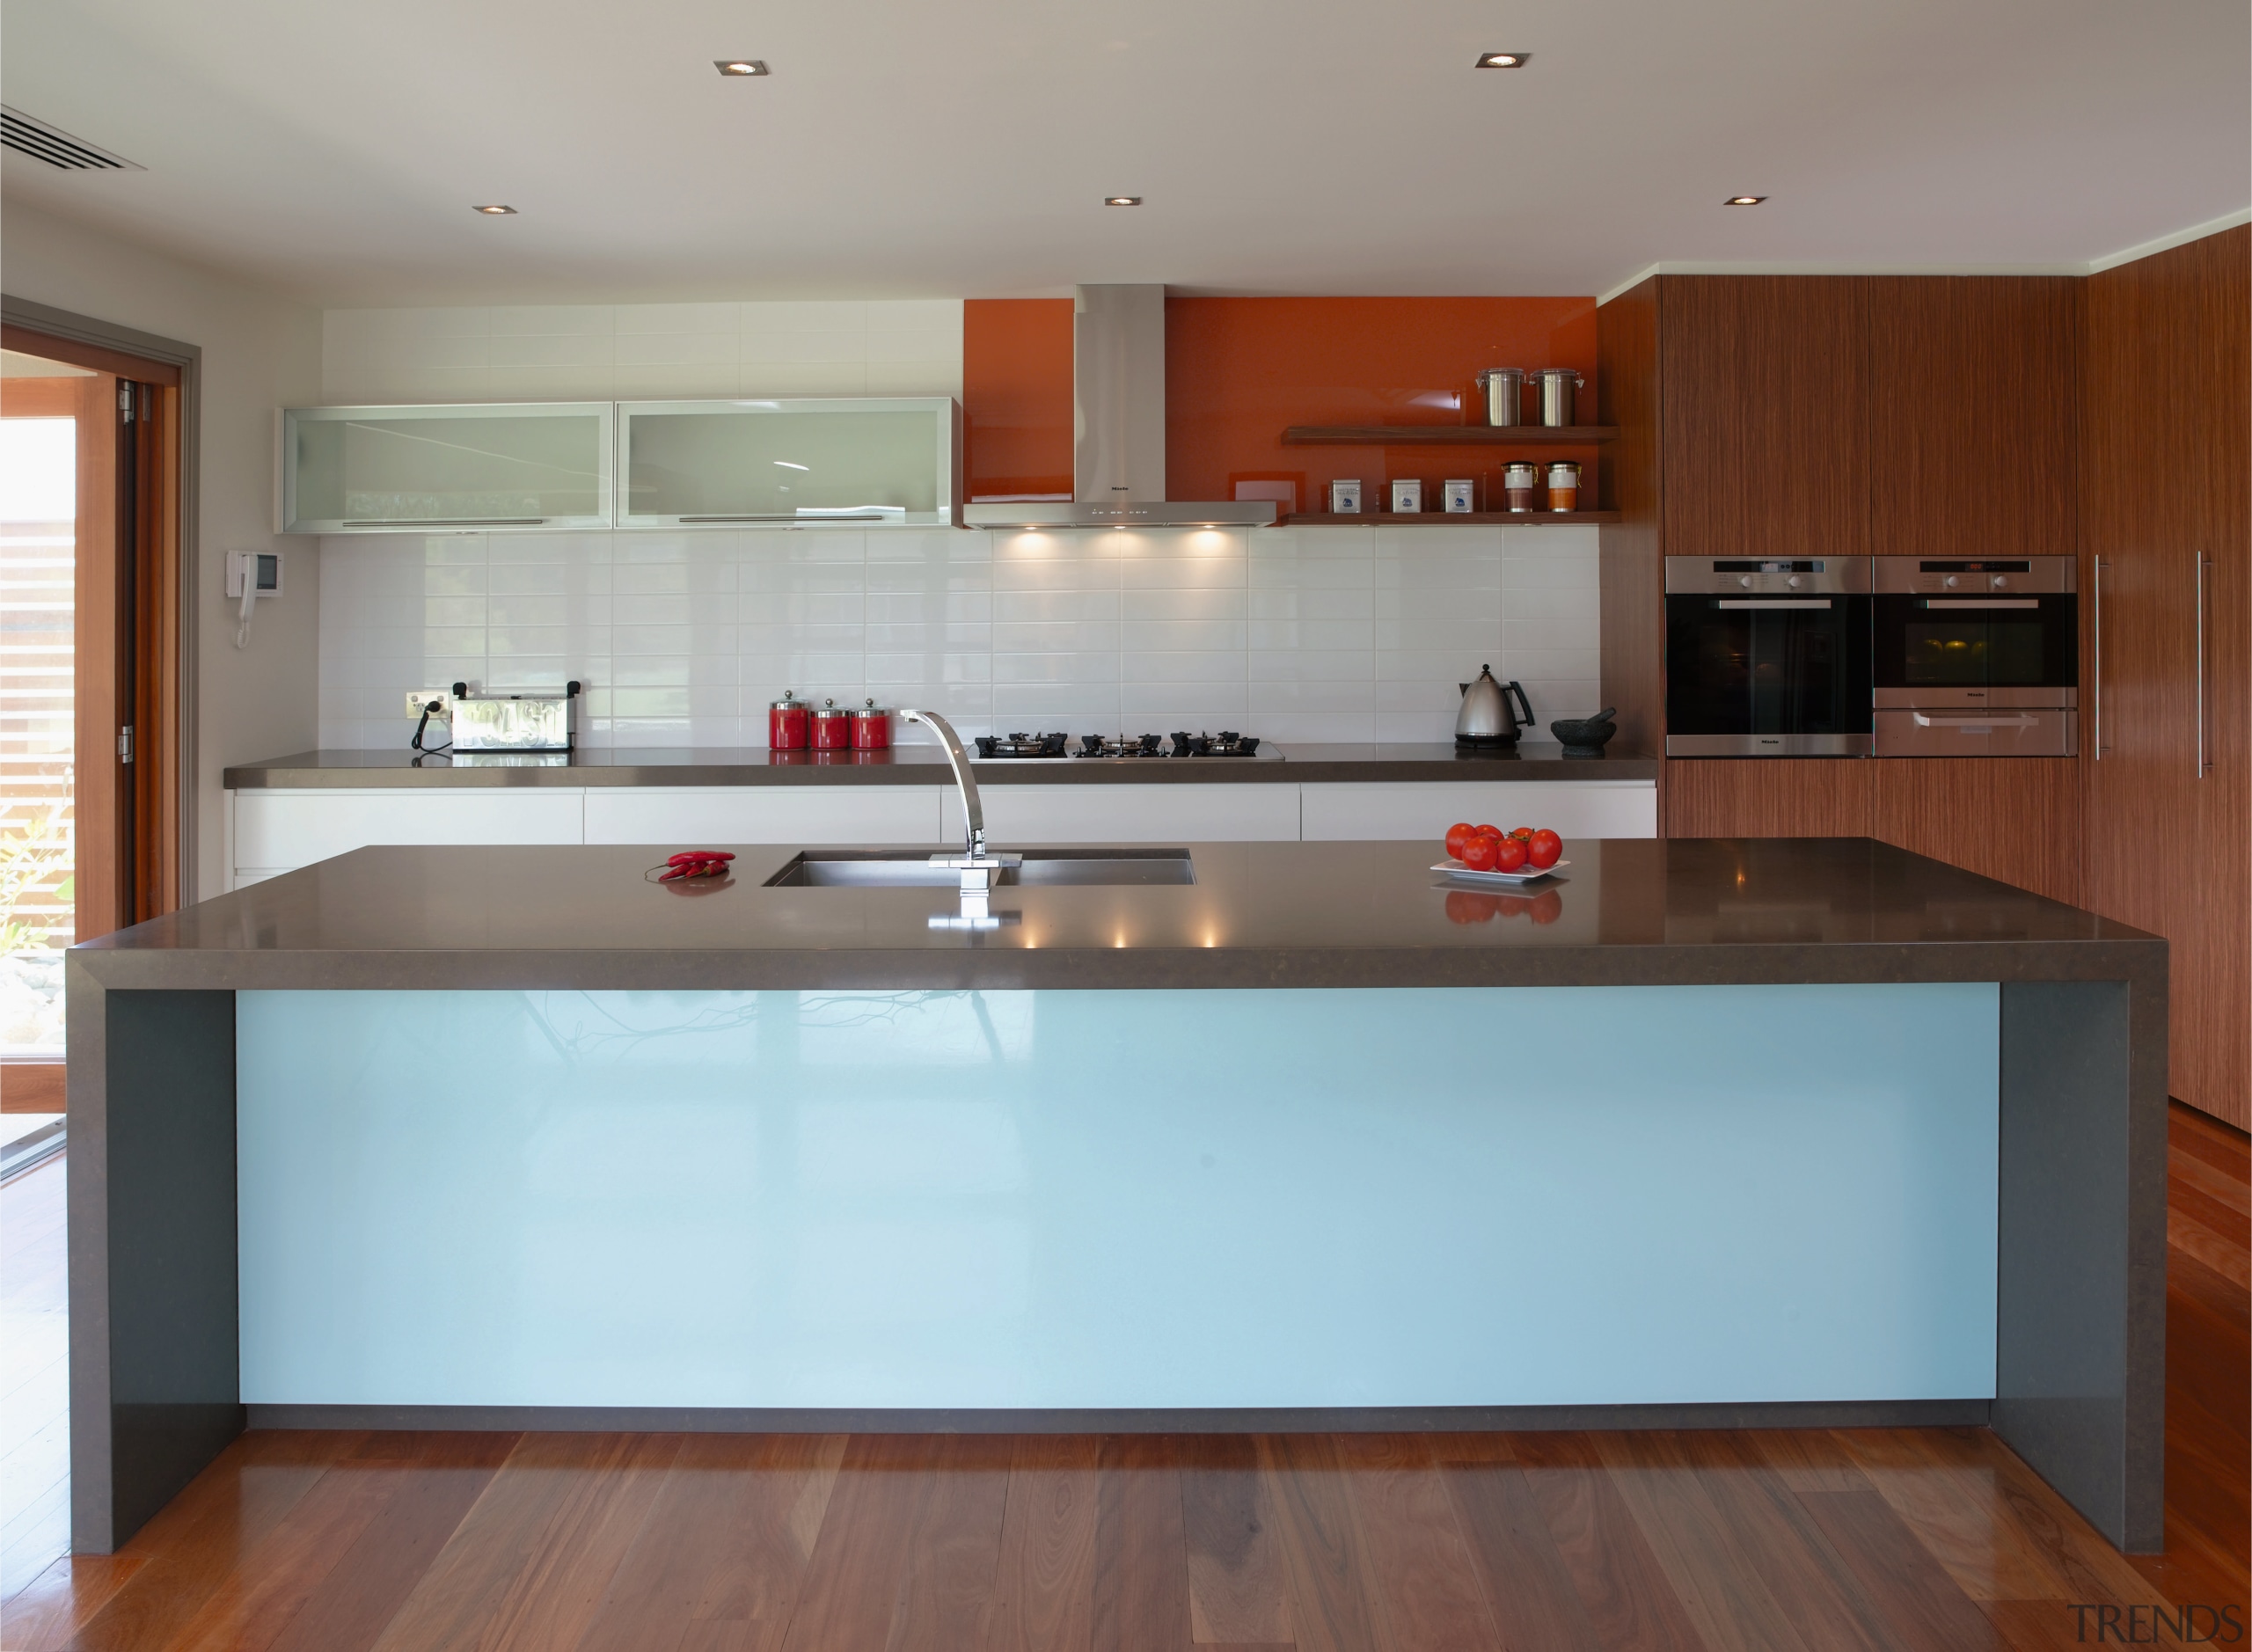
(382, 470)
(809, 462)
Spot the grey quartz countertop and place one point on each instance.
(921, 764)
(1626, 912)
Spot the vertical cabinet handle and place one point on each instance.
(2097, 629)
(2203, 563)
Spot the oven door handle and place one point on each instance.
(1925, 719)
(1773, 601)
(1981, 601)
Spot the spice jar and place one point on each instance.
(1564, 485)
(788, 728)
(1519, 482)
(832, 727)
(871, 728)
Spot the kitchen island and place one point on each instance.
(1704, 1132)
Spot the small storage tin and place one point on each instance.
(1519, 483)
(1345, 498)
(832, 727)
(1461, 495)
(871, 728)
(789, 725)
(1564, 485)
(1407, 498)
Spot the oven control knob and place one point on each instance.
(2001, 582)
(1794, 581)
(1744, 579)
(1950, 581)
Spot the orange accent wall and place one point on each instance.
(1237, 370)
(1016, 396)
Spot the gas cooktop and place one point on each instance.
(1041, 747)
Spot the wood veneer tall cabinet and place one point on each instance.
(1794, 416)
(2166, 464)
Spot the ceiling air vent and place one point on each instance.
(26, 136)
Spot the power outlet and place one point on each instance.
(421, 697)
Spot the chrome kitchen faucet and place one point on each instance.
(976, 866)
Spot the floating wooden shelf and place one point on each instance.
(1443, 519)
(1447, 435)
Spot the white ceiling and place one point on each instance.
(905, 149)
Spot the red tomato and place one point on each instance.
(1468, 906)
(1478, 852)
(1487, 831)
(1544, 850)
(1508, 855)
(1547, 907)
(1455, 834)
(1521, 833)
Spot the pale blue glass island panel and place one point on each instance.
(1113, 1199)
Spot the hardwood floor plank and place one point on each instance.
(527, 1562)
(1141, 1550)
(1700, 1545)
(2032, 1626)
(1530, 1595)
(433, 1482)
(1975, 1540)
(2215, 1251)
(1921, 1608)
(723, 1556)
(1427, 1585)
(1624, 1591)
(955, 1551)
(853, 1584)
(1044, 1589)
(197, 1540)
(1333, 1606)
(2224, 1184)
(1239, 1583)
(46, 1612)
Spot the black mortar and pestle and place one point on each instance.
(1585, 736)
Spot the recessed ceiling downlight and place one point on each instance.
(1122, 200)
(1504, 60)
(739, 66)
(496, 211)
(1744, 200)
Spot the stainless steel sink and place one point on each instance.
(879, 869)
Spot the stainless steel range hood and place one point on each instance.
(1118, 428)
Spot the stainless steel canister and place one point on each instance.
(1504, 388)
(1557, 385)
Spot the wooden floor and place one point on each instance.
(1802, 1541)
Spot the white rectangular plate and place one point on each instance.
(1456, 869)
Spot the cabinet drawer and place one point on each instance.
(1425, 809)
(1174, 814)
(277, 830)
(2006, 732)
(686, 816)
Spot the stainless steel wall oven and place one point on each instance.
(1767, 658)
(1976, 658)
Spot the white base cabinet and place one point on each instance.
(277, 829)
(1394, 810)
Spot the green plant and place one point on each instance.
(29, 856)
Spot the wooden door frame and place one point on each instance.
(107, 347)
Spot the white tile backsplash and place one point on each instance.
(1303, 634)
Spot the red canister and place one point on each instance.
(872, 729)
(787, 725)
(832, 727)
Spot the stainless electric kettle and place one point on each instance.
(1486, 719)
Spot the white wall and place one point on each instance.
(259, 352)
(642, 352)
